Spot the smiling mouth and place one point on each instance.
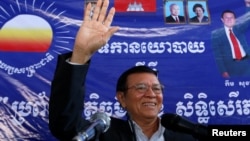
(149, 104)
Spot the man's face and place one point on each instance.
(175, 10)
(143, 105)
(228, 20)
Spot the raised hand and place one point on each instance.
(247, 2)
(94, 32)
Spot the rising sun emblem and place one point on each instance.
(33, 28)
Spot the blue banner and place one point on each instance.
(187, 52)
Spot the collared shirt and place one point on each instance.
(176, 18)
(157, 136)
(243, 53)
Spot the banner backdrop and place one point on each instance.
(34, 32)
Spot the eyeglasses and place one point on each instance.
(142, 88)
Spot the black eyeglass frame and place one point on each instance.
(142, 88)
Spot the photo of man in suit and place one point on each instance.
(175, 16)
(230, 46)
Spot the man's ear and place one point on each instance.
(121, 98)
(222, 20)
